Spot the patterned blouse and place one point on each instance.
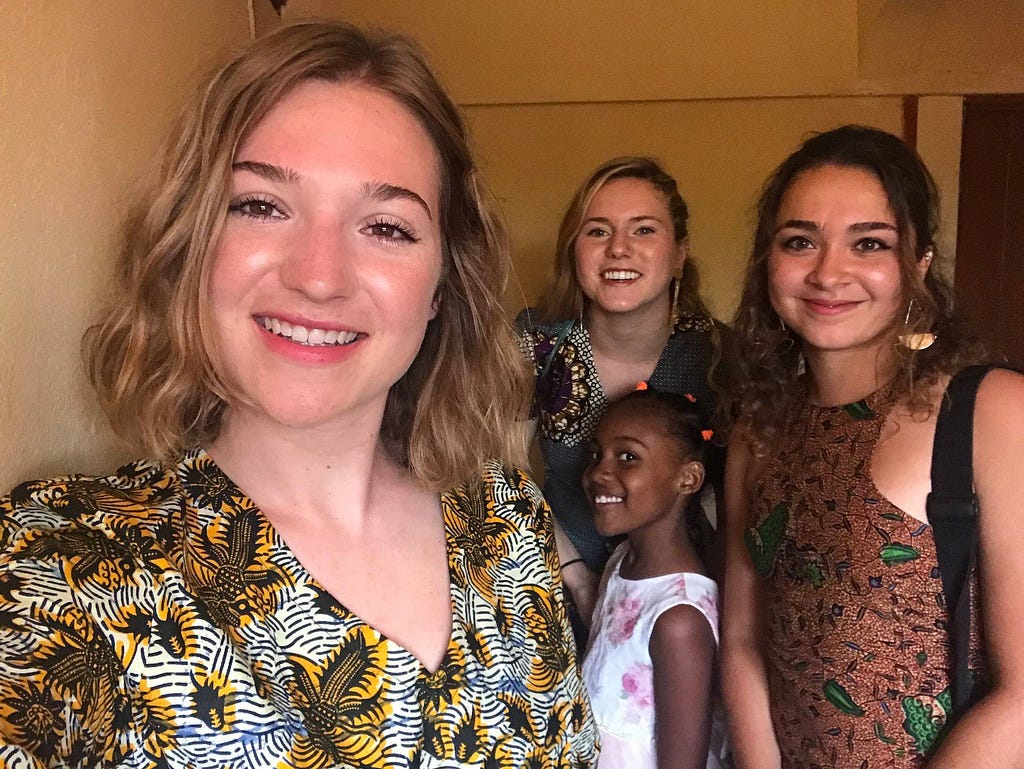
(154, 618)
(856, 644)
(569, 400)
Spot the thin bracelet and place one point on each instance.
(570, 563)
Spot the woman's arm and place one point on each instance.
(991, 733)
(744, 679)
(579, 580)
(683, 654)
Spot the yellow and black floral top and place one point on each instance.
(154, 618)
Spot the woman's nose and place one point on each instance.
(830, 267)
(321, 263)
(618, 244)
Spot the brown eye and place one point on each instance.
(256, 208)
(871, 245)
(797, 243)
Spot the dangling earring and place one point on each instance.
(673, 309)
(918, 341)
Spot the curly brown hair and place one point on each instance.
(151, 359)
(767, 355)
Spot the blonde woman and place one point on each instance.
(330, 559)
(623, 309)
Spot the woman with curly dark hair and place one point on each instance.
(836, 650)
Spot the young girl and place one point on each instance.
(650, 665)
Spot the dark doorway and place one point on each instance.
(990, 230)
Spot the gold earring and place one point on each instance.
(673, 309)
(918, 341)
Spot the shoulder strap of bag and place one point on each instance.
(953, 514)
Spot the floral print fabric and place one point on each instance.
(856, 642)
(155, 619)
(617, 669)
(569, 400)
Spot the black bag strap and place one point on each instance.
(953, 514)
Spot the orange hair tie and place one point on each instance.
(708, 434)
(641, 385)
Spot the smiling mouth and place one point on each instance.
(308, 337)
(820, 305)
(620, 275)
(607, 499)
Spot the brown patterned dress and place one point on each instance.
(856, 640)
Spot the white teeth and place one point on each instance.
(310, 337)
(604, 499)
(620, 275)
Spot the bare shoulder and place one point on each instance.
(999, 417)
(1001, 392)
(681, 627)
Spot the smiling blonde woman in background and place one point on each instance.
(330, 559)
(624, 308)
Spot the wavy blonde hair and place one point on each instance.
(767, 355)
(564, 299)
(152, 359)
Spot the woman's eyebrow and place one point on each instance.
(387, 191)
(606, 220)
(798, 224)
(268, 171)
(378, 190)
(869, 226)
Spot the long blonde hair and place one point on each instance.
(152, 359)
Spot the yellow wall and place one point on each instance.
(719, 91)
(87, 91)
(534, 156)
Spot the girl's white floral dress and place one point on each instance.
(618, 671)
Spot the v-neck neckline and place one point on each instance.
(600, 388)
(311, 584)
